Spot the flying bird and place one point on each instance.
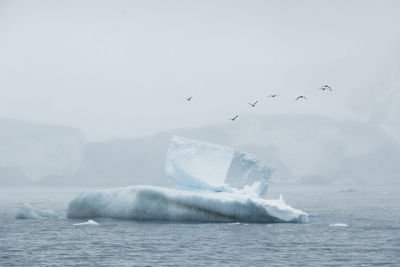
(326, 87)
(234, 118)
(253, 104)
(272, 96)
(189, 98)
(301, 96)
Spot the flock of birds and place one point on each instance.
(323, 88)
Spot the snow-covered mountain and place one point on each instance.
(31, 152)
(301, 148)
(379, 103)
(312, 149)
(124, 162)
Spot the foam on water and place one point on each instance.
(27, 211)
(155, 203)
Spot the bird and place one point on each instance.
(326, 87)
(234, 118)
(272, 96)
(301, 96)
(253, 104)
(189, 98)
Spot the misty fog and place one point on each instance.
(92, 91)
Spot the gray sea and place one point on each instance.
(355, 228)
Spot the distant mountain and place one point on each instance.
(10, 175)
(125, 162)
(380, 103)
(302, 149)
(31, 151)
(312, 149)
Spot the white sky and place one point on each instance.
(123, 68)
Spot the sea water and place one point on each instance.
(360, 228)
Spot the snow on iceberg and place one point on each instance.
(27, 211)
(201, 165)
(155, 203)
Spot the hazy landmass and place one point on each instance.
(302, 148)
(30, 152)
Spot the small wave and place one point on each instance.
(349, 190)
(338, 225)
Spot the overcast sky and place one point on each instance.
(123, 68)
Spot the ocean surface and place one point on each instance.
(352, 228)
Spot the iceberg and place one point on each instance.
(156, 203)
(27, 211)
(89, 222)
(216, 184)
(201, 165)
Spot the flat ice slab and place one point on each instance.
(156, 203)
(201, 165)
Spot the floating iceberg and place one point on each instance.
(156, 203)
(89, 222)
(200, 165)
(217, 184)
(27, 211)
